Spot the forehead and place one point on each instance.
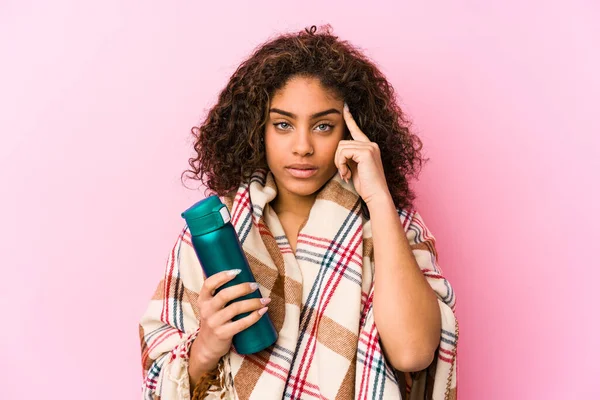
(304, 94)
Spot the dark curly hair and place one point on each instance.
(228, 144)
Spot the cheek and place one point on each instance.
(329, 151)
(270, 154)
(273, 151)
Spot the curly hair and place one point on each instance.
(228, 144)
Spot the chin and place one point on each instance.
(301, 188)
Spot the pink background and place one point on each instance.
(97, 100)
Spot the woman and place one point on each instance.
(311, 154)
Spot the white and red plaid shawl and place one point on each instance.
(322, 307)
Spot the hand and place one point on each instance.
(360, 160)
(216, 326)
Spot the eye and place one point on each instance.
(327, 127)
(278, 125)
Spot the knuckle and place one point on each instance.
(200, 302)
(209, 283)
(211, 323)
(202, 312)
(208, 290)
(248, 321)
(224, 295)
(242, 289)
(236, 307)
(204, 289)
(250, 305)
(221, 295)
(220, 334)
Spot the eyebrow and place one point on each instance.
(316, 115)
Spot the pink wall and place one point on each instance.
(97, 101)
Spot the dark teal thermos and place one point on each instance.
(218, 248)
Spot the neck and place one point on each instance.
(289, 203)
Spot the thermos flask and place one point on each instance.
(218, 248)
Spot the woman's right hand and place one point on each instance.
(215, 318)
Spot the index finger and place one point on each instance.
(215, 281)
(355, 131)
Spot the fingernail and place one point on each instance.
(265, 300)
(233, 272)
(263, 310)
(346, 106)
(253, 285)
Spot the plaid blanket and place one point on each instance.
(322, 307)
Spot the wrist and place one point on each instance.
(383, 199)
(202, 360)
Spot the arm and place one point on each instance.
(405, 306)
(412, 327)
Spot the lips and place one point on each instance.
(301, 170)
(302, 166)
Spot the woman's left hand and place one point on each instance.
(360, 160)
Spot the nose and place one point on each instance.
(302, 145)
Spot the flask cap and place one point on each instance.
(206, 215)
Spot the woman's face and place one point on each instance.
(302, 133)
